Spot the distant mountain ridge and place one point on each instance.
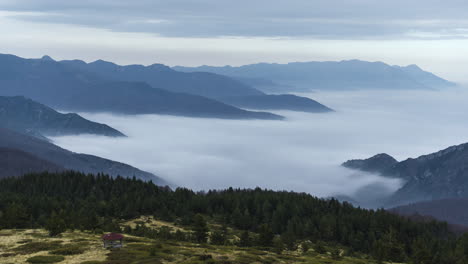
(67, 88)
(440, 175)
(210, 85)
(278, 102)
(62, 158)
(26, 116)
(377, 163)
(329, 75)
(158, 75)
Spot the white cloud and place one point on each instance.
(301, 154)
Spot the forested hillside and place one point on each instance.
(73, 200)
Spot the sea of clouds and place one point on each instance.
(302, 154)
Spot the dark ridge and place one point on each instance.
(26, 116)
(69, 160)
(378, 163)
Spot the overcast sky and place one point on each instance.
(430, 33)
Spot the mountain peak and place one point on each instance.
(47, 58)
(102, 63)
(377, 163)
(413, 67)
(160, 67)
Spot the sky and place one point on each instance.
(302, 153)
(430, 33)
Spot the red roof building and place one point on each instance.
(112, 236)
(113, 240)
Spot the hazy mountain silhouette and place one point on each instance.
(26, 116)
(158, 75)
(277, 102)
(206, 84)
(330, 75)
(67, 88)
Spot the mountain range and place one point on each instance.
(26, 116)
(27, 154)
(210, 85)
(328, 75)
(440, 175)
(63, 87)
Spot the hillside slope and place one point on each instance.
(15, 163)
(70, 160)
(26, 116)
(452, 211)
(436, 176)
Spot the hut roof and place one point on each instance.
(112, 236)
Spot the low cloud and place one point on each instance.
(301, 154)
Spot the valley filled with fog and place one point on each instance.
(302, 154)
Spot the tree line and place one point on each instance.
(72, 200)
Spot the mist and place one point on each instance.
(300, 154)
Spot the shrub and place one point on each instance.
(36, 247)
(336, 254)
(68, 250)
(45, 259)
(320, 248)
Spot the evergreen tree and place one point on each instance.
(200, 229)
(265, 236)
(289, 240)
(245, 240)
(421, 252)
(56, 225)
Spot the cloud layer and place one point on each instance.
(301, 154)
(331, 19)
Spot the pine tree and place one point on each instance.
(56, 225)
(266, 236)
(200, 229)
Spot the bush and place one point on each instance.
(45, 259)
(320, 248)
(336, 254)
(68, 250)
(205, 257)
(37, 246)
(305, 246)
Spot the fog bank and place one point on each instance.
(301, 154)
